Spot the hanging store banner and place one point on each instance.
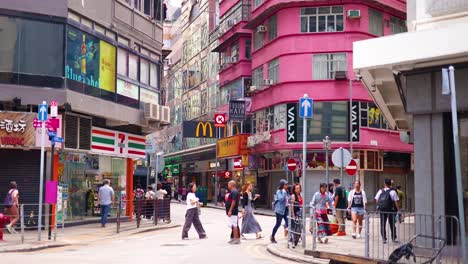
(90, 60)
(107, 141)
(17, 130)
(233, 146)
(236, 110)
(291, 123)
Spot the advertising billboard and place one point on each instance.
(90, 60)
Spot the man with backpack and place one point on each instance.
(388, 205)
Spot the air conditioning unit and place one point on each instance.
(152, 111)
(253, 88)
(231, 22)
(262, 29)
(354, 14)
(227, 60)
(165, 114)
(234, 59)
(339, 75)
(268, 82)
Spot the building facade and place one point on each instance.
(101, 62)
(274, 52)
(408, 86)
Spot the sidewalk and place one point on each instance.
(83, 234)
(258, 211)
(281, 250)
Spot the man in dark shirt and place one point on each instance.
(340, 205)
(232, 211)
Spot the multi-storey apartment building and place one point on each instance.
(101, 62)
(274, 52)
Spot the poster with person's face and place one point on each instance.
(90, 60)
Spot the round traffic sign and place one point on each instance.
(292, 164)
(341, 157)
(352, 168)
(220, 119)
(227, 174)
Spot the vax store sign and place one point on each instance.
(17, 130)
(201, 129)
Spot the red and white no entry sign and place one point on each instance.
(351, 169)
(220, 120)
(292, 164)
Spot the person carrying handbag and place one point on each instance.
(192, 215)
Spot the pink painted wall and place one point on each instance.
(235, 71)
(386, 141)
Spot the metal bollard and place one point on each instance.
(155, 219)
(118, 215)
(289, 229)
(22, 222)
(55, 223)
(367, 235)
(313, 227)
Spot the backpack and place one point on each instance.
(385, 202)
(8, 202)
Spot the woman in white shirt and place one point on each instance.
(160, 192)
(191, 216)
(357, 204)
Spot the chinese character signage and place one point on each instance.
(16, 129)
(233, 146)
(90, 60)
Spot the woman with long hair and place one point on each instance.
(280, 207)
(250, 225)
(357, 204)
(319, 202)
(296, 214)
(191, 215)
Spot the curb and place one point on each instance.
(156, 229)
(272, 249)
(34, 248)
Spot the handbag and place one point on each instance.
(198, 209)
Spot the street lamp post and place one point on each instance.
(327, 146)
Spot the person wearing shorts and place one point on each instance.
(357, 204)
(232, 212)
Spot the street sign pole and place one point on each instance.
(41, 181)
(341, 169)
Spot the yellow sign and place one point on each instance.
(232, 146)
(107, 66)
(245, 160)
(204, 126)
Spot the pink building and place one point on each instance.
(275, 51)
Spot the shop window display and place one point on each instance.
(80, 177)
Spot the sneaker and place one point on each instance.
(185, 238)
(341, 233)
(235, 242)
(396, 241)
(326, 240)
(273, 240)
(203, 237)
(9, 228)
(358, 236)
(319, 240)
(385, 241)
(354, 235)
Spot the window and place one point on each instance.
(254, 124)
(257, 76)
(258, 40)
(272, 28)
(151, 8)
(397, 25)
(273, 70)
(375, 22)
(257, 2)
(322, 19)
(144, 71)
(248, 49)
(235, 51)
(270, 118)
(133, 66)
(325, 65)
(122, 58)
(154, 75)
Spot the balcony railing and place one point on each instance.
(445, 7)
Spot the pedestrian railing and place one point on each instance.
(146, 212)
(426, 238)
(27, 228)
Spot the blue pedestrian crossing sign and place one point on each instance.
(42, 111)
(306, 107)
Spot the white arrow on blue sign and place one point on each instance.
(42, 111)
(57, 139)
(306, 107)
